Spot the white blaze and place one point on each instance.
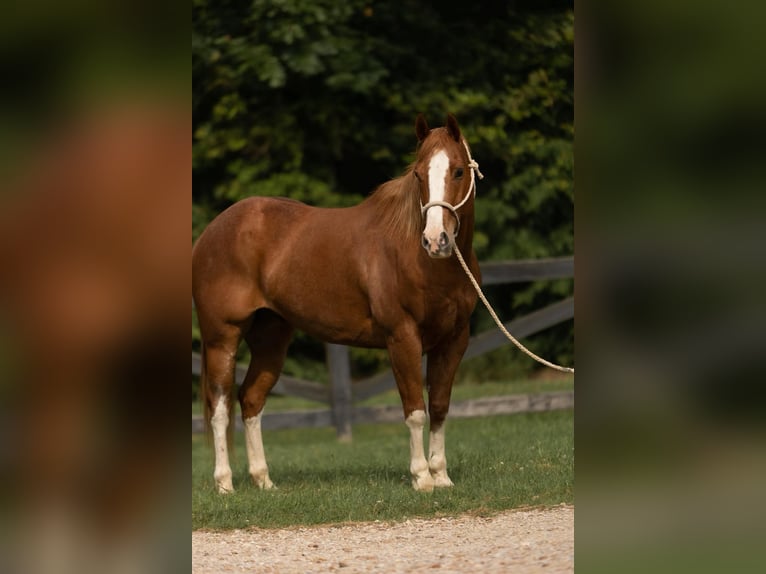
(437, 179)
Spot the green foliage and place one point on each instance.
(316, 99)
(497, 463)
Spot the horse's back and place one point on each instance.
(249, 219)
(249, 212)
(309, 265)
(229, 253)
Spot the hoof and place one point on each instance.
(262, 481)
(441, 480)
(225, 488)
(423, 483)
(223, 483)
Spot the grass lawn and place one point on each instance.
(496, 463)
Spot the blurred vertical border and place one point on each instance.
(95, 193)
(671, 396)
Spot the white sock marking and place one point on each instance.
(421, 477)
(437, 460)
(259, 470)
(219, 422)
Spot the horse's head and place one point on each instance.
(443, 168)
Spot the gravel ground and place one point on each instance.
(518, 541)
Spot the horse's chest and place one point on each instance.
(445, 315)
(442, 317)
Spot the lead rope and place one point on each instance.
(475, 166)
(500, 323)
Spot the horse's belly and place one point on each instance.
(334, 322)
(361, 334)
(369, 339)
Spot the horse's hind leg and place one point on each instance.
(268, 339)
(219, 363)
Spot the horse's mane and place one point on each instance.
(397, 203)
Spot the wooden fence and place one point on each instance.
(341, 395)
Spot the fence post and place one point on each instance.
(339, 367)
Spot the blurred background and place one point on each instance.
(95, 181)
(670, 396)
(316, 100)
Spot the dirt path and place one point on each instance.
(521, 541)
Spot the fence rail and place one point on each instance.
(504, 405)
(340, 395)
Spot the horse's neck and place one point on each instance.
(395, 206)
(464, 239)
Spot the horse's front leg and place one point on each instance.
(443, 362)
(405, 351)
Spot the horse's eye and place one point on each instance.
(417, 175)
(458, 173)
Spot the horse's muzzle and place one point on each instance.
(437, 247)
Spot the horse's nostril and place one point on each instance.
(443, 239)
(425, 242)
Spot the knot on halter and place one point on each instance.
(474, 165)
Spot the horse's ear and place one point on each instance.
(421, 127)
(452, 128)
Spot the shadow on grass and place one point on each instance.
(496, 463)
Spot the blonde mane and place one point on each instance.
(398, 204)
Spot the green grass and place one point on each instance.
(496, 463)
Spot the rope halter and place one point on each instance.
(473, 166)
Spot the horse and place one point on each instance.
(378, 274)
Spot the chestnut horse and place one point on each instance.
(378, 274)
